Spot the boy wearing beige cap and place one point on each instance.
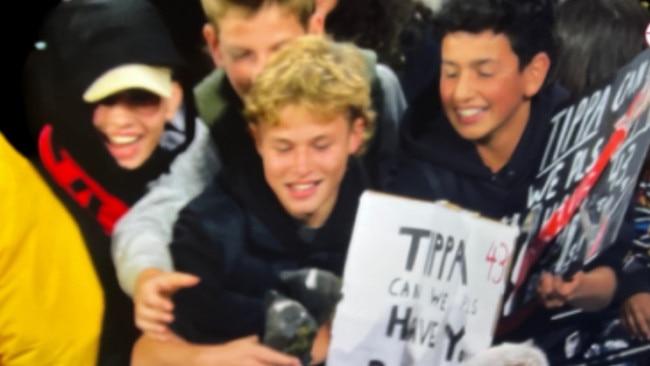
(111, 120)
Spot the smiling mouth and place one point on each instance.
(470, 115)
(469, 112)
(122, 147)
(303, 190)
(121, 140)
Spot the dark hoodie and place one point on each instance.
(436, 163)
(237, 238)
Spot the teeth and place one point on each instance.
(302, 187)
(122, 140)
(469, 111)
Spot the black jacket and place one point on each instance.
(237, 238)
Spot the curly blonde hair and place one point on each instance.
(215, 10)
(325, 77)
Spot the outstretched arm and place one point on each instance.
(141, 236)
(176, 351)
(140, 252)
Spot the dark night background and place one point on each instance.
(25, 30)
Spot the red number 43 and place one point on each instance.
(497, 256)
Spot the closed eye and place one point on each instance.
(322, 147)
(282, 148)
(240, 54)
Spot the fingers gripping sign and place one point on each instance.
(152, 300)
(635, 315)
(555, 292)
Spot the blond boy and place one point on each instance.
(309, 114)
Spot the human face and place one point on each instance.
(485, 95)
(305, 158)
(245, 43)
(131, 123)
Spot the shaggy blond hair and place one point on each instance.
(215, 10)
(326, 78)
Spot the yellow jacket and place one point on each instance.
(51, 302)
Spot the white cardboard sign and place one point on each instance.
(422, 284)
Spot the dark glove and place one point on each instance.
(289, 327)
(318, 290)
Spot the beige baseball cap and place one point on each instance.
(157, 80)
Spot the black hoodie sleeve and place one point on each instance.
(209, 312)
(412, 179)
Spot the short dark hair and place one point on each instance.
(384, 26)
(528, 24)
(596, 38)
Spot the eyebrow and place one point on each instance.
(280, 43)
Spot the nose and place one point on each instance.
(302, 162)
(464, 89)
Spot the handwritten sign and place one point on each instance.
(586, 178)
(422, 284)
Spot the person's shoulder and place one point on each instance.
(213, 205)
(208, 96)
(11, 163)
(417, 178)
(209, 83)
(387, 77)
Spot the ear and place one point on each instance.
(535, 73)
(212, 41)
(174, 101)
(355, 139)
(317, 24)
(255, 134)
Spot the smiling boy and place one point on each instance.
(476, 137)
(309, 113)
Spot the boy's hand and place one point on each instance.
(177, 351)
(555, 292)
(635, 315)
(248, 351)
(152, 299)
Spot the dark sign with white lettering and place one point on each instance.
(585, 181)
